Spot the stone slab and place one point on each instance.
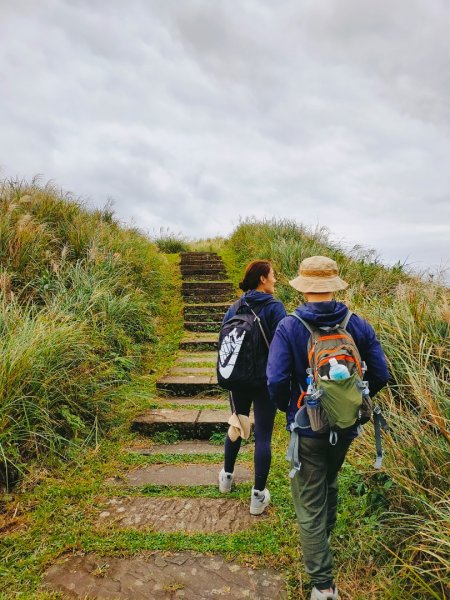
(162, 419)
(189, 385)
(191, 515)
(202, 326)
(181, 475)
(182, 371)
(197, 357)
(196, 343)
(185, 447)
(162, 576)
(214, 420)
(218, 401)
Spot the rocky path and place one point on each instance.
(190, 404)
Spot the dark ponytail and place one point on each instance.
(253, 273)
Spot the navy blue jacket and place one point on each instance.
(288, 357)
(270, 314)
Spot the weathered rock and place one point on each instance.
(193, 515)
(209, 286)
(184, 447)
(162, 419)
(190, 423)
(217, 308)
(199, 341)
(219, 401)
(205, 296)
(180, 371)
(188, 385)
(162, 576)
(180, 475)
(200, 357)
(202, 326)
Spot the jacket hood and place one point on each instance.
(323, 314)
(255, 297)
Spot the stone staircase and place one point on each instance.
(190, 403)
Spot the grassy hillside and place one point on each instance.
(397, 520)
(79, 298)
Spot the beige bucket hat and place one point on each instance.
(239, 426)
(318, 274)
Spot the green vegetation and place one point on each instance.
(79, 300)
(91, 317)
(170, 242)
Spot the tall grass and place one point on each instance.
(412, 320)
(79, 295)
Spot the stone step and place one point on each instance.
(180, 475)
(204, 317)
(202, 264)
(202, 277)
(202, 326)
(200, 401)
(199, 341)
(219, 308)
(188, 385)
(202, 269)
(207, 286)
(200, 357)
(190, 515)
(161, 576)
(190, 423)
(184, 447)
(181, 370)
(205, 296)
(197, 254)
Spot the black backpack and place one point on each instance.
(243, 350)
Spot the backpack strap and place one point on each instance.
(257, 318)
(346, 320)
(305, 323)
(343, 324)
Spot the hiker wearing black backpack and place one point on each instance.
(325, 363)
(247, 330)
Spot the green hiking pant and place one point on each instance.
(315, 492)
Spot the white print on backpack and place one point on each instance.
(229, 351)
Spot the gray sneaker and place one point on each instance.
(318, 595)
(259, 501)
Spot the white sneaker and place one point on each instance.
(318, 595)
(259, 501)
(226, 481)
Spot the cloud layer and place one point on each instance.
(191, 114)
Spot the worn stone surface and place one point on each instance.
(199, 341)
(204, 296)
(185, 447)
(162, 419)
(202, 325)
(193, 515)
(180, 475)
(219, 308)
(199, 357)
(189, 384)
(184, 575)
(218, 400)
(181, 371)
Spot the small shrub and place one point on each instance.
(170, 242)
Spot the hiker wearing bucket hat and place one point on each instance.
(315, 461)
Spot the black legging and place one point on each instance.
(264, 410)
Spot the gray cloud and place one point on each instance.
(191, 114)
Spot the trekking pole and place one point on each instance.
(379, 423)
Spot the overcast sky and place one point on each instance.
(193, 113)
